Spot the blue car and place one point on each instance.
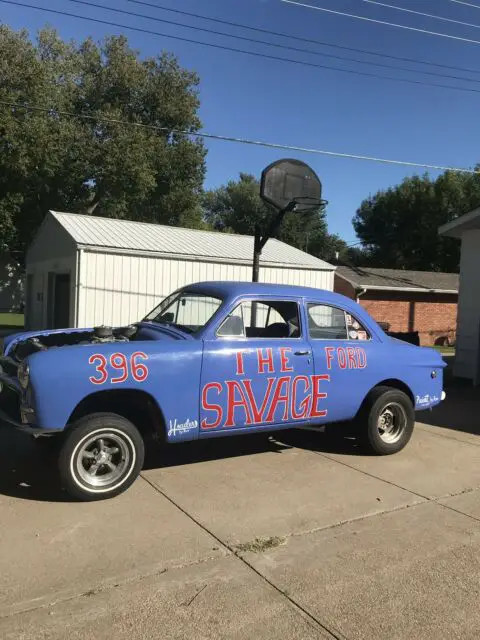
(213, 359)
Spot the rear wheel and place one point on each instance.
(101, 457)
(387, 421)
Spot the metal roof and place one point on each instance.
(140, 237)
(399, 280)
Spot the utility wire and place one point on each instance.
(302, 39)
(468, 4)
(271, 44)
(382, 22)
(257, 143)
(243, 51)
(421, 13)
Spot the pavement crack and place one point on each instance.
(309, 617)
(429, 431)
(189, 602)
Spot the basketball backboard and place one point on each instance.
(293, 183)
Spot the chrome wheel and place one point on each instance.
(104, 459)
(392, 422)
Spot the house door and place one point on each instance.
(58, 300)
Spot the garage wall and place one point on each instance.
(36, 298)
(467, 356)
(117, 289)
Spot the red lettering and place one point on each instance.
(284, 359)
(206, 406)
(352, 363)
(361, 358)
(342, 358)
(265, 361)
(232, 387)
(305, 403)
(258, 413)
(278, 398)
(318, 395)
(240, 370)
(329, 355)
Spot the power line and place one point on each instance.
(382, 22)
(421, 13)
(270, 44)
(468, 4)
(243, 51)
(257, 143)
(302, 39)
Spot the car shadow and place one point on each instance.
(458, 412)
(28, 469)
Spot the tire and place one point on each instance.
(112, 445)
(386, 422)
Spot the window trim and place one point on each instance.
(308, 304)
(262, 301)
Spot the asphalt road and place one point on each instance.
(293, 537)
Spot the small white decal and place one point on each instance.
(426, 400)
(181, 427)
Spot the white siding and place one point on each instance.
(37, 300)
(467, 357)
(116, 289)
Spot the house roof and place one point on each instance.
(399, 280)
(467, 222)
(126, 236)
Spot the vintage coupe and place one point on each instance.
(213, 359)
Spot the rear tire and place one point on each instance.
(386, 421)
(101, 456)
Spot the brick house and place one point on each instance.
(406, 301)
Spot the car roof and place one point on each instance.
(234, 289)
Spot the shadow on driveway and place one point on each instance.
(459, 412)
(28, 469)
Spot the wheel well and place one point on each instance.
(396, 384)
(136, 406)
(393, 383)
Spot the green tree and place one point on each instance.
(89, 165)
(237, 208)
(399, 226)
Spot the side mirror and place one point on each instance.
(167, 317)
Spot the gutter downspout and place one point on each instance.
(360, 294)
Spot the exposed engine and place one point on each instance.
(99, 335)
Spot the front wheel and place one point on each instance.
(101, 456)
(387, 421)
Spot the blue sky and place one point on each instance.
(263, 99)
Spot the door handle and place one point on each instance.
(302, 353)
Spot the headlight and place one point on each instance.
(23, 374)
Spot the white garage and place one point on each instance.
(467, 353)
(84, 271)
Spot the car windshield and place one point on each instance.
(186, 311)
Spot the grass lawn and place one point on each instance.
(446, 351)
(8, 320)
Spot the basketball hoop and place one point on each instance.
(288, 186)
(291, 185)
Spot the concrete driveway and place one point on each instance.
(287, 537)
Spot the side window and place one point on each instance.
(356, 331)
(262, 319)
(330, 323)
(326, 323)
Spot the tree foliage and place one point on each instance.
(53, 161)
(237, 208)
(399, 226)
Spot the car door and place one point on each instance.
(345, 350)
(257, 369)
